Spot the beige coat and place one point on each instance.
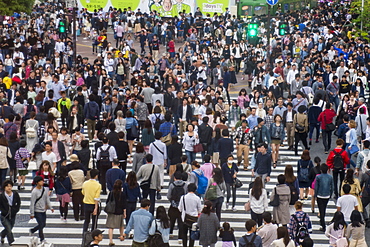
(4, 153)
(281, 213)
(302, 120)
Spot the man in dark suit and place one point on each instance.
(184, 114)
(205, 136)
(226, 146)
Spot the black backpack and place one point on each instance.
(158, 122)
(301, 231)
(338, 160)
(104, 156)
(176, 193)
(294, 196)
(249, 243)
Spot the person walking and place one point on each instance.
(158, 151)
(4, 155)
(280, 212)
(283, 239)
(229, 172)
(292, 182)
(326, 119)
(258, 201)
(140, 221)
(92, 114)
(115, 218)
(149, 173)
(91, 192)
(301, 120)
(336, 229)
(77, 177)
(31, 128)
(356, 230)
(133, 195)
(113, 174)
(277, 134)
(10, 203)
(191, 139)
(190, 207)
(262, 167)
(208, 224)
(351, 142)
(304, 168)
(105, 156)
(268, 231)
(215, 191)
(40, 202)
(161, 224)
(298, 219)
(63, 189)
(243, 139)
(324, 188)
(355, 186)
(251, 236)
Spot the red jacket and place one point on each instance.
(330, 159)
(326, 117)
(49, 179)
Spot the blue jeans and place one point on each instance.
(9, 69)
(335, 101)
(3, 175)
(41, 223)
(8, 225)
(349, 156)
(191, 156)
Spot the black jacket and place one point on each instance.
(122, 150)
(174, 153)
(205, 133)
(189, 112)
(284, 116)
(10, 211)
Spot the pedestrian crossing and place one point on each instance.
(70, 233)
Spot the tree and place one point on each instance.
(8, 7)
(361, 16)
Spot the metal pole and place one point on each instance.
(74, 33)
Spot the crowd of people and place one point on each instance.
(156, 109)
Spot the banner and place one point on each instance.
(167, 8)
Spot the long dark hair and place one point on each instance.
(338, 220)
(257, 188)
(62, 173)
(349, 176)
(117, 187)
(356, 219)
(163, 217)
(289, 174)
(218, 134)
(282, 232)
(148, 126)
(207, 209)
(131, 180)
(217, 176)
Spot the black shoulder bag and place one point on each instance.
(145, 185)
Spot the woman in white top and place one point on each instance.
(190, 140)
(283, 238)
(32, 123)
(9, 64)
(120, 122)
(336, 229)
(351, 140)
(258, 200)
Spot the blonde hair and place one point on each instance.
(352, 124)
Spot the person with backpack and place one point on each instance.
(91, 113)
(250, 239)
(304, 167)
(365, 196)
(156, 118)
(105, 156)
(324, 187)
(197, 176)
(215, 191)
(175, 190)
(337, 161)
(190, 207)
(300, 225)
(293, 184)
(336, 230)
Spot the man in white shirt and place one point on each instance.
(49, 155)
(189, 205)
(108, 64)
(159, 151)
(268, 231)
(291, 75)
(347, 203)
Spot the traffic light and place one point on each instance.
(252, 29)
(62, 26)
(283, 28)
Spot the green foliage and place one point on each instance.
(8, 7)
(361, 16)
